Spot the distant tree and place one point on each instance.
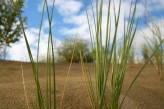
(145, 52)
(10, 28)
(67, 47)
(131, 57)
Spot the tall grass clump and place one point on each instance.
(158, 57)
(104, 58)
(107, 58)
(43, 102)
(152, 43)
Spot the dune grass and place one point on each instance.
(151, 44)
(42, 103)
(158, 57)
(24, 88)
(108, 59)
(104, 59)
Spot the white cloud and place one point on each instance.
(18, 50)
(68, 7)
(64, 7)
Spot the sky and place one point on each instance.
(69, 19)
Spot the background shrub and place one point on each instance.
(66, 49)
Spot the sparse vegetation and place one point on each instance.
(105, 82)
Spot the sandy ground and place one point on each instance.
(147, 92)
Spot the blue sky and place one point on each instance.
(70, 18)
